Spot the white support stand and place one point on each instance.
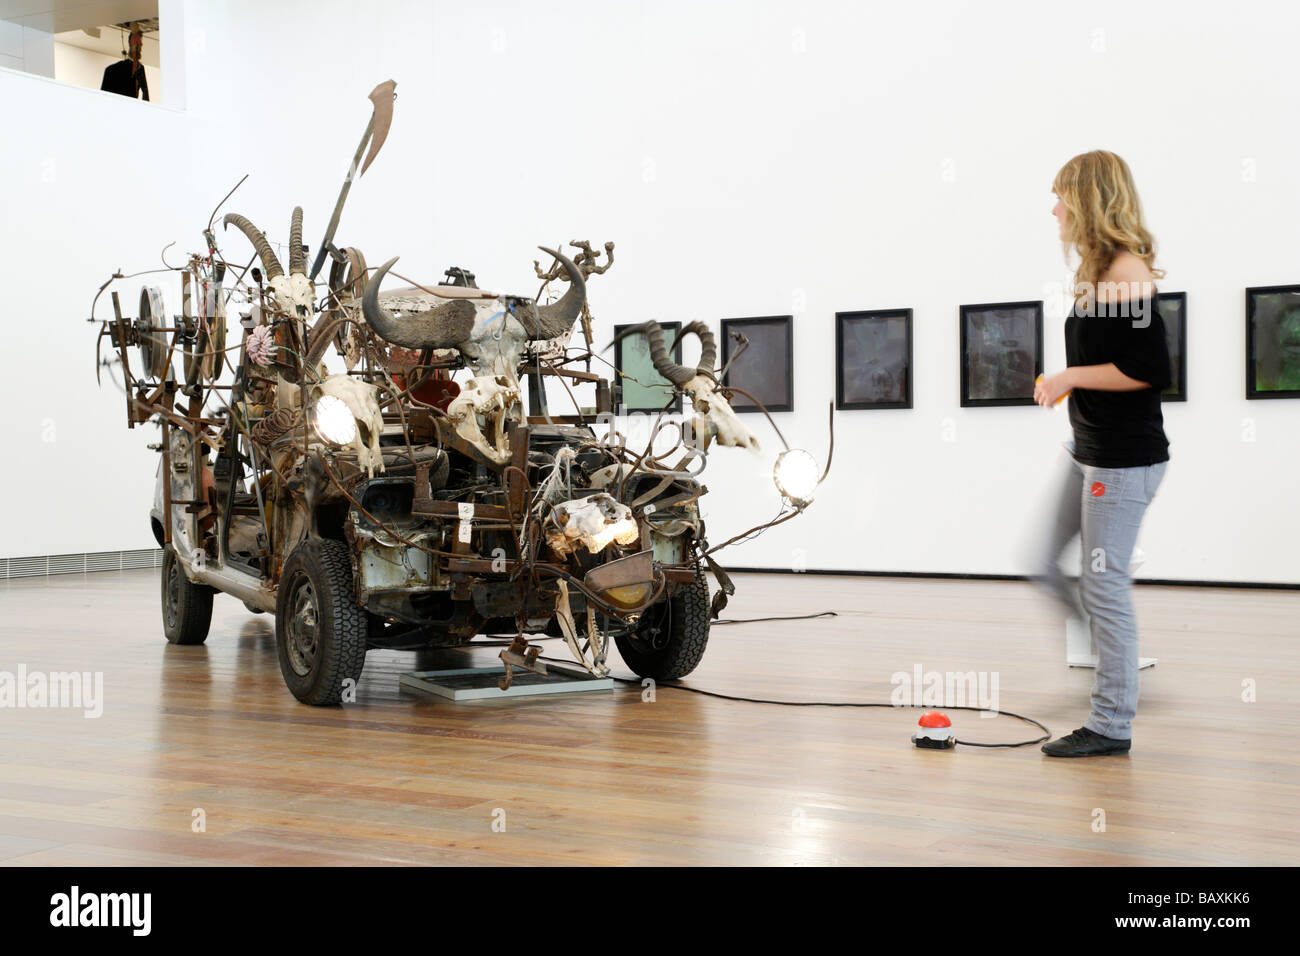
(1080, 649)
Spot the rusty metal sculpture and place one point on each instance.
(390, 505)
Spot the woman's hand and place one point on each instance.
(1051, 389)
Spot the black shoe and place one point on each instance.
(1084, 743)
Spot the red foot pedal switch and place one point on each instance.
(934, 731)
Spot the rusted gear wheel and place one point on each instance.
(213, 339)
(150, 333)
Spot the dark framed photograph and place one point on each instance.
(765, 367)
(644, 389)
(1172, 307)
(1001, 353)
(873, 359)
(1273, 341)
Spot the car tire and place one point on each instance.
(186, 606)
(669, 640)
(320, 632)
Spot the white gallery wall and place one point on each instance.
(748, 158)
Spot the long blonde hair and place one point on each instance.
(1104, 217)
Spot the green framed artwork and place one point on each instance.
(1273, 341)
(644, 389)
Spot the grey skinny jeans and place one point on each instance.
(1104, 507)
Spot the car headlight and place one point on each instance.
(334, 420)
(796, 475)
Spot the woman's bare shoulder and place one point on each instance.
(1127, 267)
(1128, 276)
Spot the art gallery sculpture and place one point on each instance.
(318, 460)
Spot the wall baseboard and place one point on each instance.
(45, 564)
(1158, 582)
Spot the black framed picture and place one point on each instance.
(1273, 341)
(1172, 307)
(873, 359)
(1001, 353)
(644, 389)
(765, 368)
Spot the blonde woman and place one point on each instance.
(1117, 365)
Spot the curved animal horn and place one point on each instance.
(297, 258)
(544, 322)
(708, 347)
(664, 365)
(442, 327)
(269, 262)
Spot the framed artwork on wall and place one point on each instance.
(1172, 307)
(1273, 341)
(873, 359)
(1001, 353)
(765, 367)
(643, 388)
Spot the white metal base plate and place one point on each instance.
(1080, 650)
(480, 683)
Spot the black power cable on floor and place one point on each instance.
(755, 620)
(856, 703)
(1047, 734)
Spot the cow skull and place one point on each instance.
(491, 331)
(361, 402)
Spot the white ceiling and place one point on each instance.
(62, 16)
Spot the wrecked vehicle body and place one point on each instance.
(384, 503)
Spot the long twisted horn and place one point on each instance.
(443, 327)
(297, 258)
(708, 347)
(269, 262)
(544, 322)
(665, 366)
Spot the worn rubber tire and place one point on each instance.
(340, 627)
(189, 616)
(687, 638)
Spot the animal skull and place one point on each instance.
(485, 402)
(292, 293)
(714, 417)
(490, 330)
(591, 522)
(359, 397)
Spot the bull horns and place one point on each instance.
(269, 262)
(679, 374)
(545, 322)
(442, 327)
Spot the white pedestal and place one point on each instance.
(1081, 651)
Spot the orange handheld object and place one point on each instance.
(1059, 400)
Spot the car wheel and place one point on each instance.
(186, 607)
(669, 640)
(320, 633)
